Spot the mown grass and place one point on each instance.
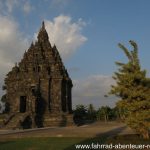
(45, 143)
(65, 143)
(38, 143)
(128, 139)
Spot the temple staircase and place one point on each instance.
(14, 121)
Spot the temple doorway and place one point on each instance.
(23, 104)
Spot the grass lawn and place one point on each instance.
(65, 143)
(125, 140)
(36, 144)
(45, 143)
(128, 139)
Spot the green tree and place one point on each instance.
(103, 113)
(133, 87)
(91, 112)
(6, 104)
(80, 114)
(114, 114)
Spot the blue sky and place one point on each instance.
(95, 27)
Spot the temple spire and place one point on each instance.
(43, 36)
(43, 25)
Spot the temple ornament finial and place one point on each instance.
(43, 25)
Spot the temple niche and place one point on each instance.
(38, 88)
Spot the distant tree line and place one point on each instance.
(83, 114)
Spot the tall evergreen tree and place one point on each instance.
(133, 87)
(103, 113)
(80, 114)
(91, 112)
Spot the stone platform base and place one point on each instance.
(28, 121)
(64, 119)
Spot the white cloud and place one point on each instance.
(10, 4)
(27, 7)
(92, 90)
(65, 34)
(12, 45)
(11, 40)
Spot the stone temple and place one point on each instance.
(38, 88)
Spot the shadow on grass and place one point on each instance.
(128, 139)
(6, 142)
(83, 122)
(99, 139)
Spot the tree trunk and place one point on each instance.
(105, 118)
